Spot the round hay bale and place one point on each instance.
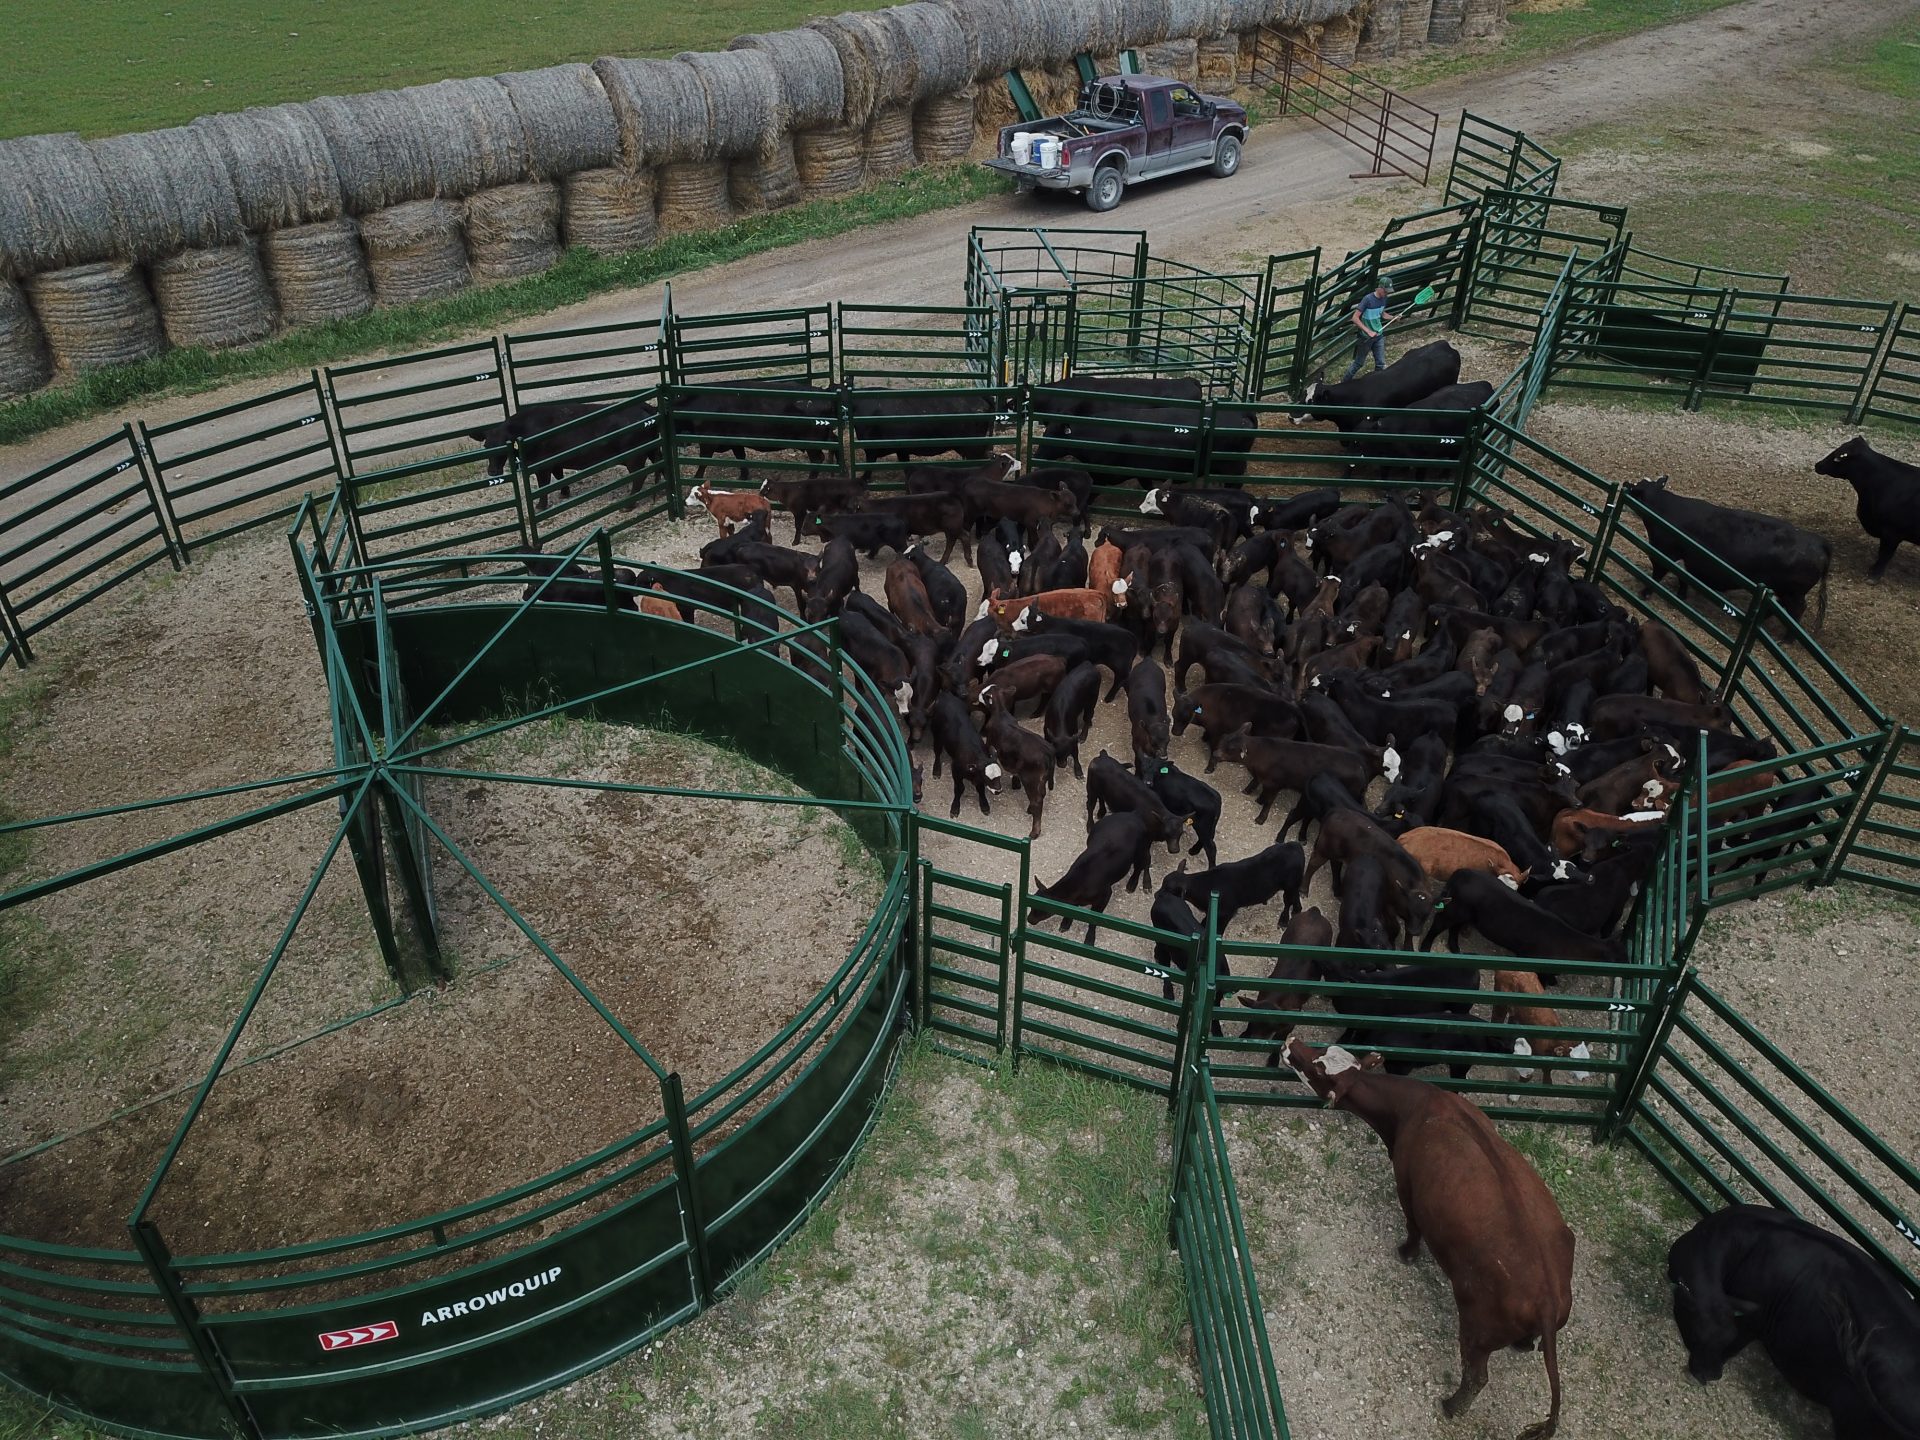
(57, 212)
(318, 272)
(994, 34)
(1196, 18)
(1415, 17)
(96, 315)
(660, 109)
(1179, 59)
(1145, 22)
(170, 193)
(831, 161)
(1482, 19)
(609, 211)
(757, 183)
(213, 298)
(25, 363)
(378, 150)
(1380, 32)
(1340, 40)
(278, 163)
(1090, 25)
(943, 127)
(566, 118)
(514, 230)
(693, 197)
(414, 251)
(1443, 27)
(890, 142)
(876, 61)
(943, 60)
(1243, 15)
(473, 136)
(1218, 57)
(744, 97)
(812, 86)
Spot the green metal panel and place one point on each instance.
(605, 362)
(1896, 387)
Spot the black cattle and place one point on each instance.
(757, 416)
(888, 423)
(1419, 372)
(1514, 923)
(955, 740)
(1242, 884)
(1889, 496)
(1276, 765)
(1175, 916)
(1200, 641)
(1322, 795)
(1185, 507)
(559, 437)
(1423, 441)
(757, 529)
(1147, 712)
(1111, 788)
(869, 534)
(1112, 646)
(874, 652)
(926, 515)
(1184, 795)
(1068, 569)
(1297, 511)
(834, 578)
(1837, 1323)
(1219, 710)
(1117, 846)
(1149, 442)
(1099, 395)
(1426, 1030)
(1728, 549)
(777, 565)
(1068, 717)
(812, 495)
(576, 585)
(1379, 719)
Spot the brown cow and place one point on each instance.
(1103, 574)
(665, 608)
(1441, 852)
(1571, 827)
(1543, 1020)
(1492, 1225)
(1011, 614)
(1637, 784)
(729, 510)
(907, 599)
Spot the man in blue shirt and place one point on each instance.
(1370, 319)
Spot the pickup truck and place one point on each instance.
(1126, 128)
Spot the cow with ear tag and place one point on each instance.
(1479, 1207)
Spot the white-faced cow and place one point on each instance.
(1889, 494)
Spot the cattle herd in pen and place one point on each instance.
(1473, 740)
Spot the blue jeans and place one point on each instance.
(1375, 343)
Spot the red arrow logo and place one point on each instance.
(358, 1335)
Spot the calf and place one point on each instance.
(1068, 717)
(874, 653)
(1033, 677)
(1103, 574)
(1175, 916)
(1888, 491)
(1199, 642)
(1614, 716)
(869, 534)
(1442, 852)
(1013, 614)
(1514, 924)
(1023, 755)
(1538, 1017)
(1413, 789)
(1347, 834)
(1594, 902)
(1496, 815)
(729, 510)
(1670, 667)
(1117, 846)
(1276, 765)
(955, 738)
(1219, 710)
(1111, 787)
(1378, 719)
(928, 515)
(945, 592)
(1242, 884)
(1197, 800)
(907, 598)
(1321, 797)
(1638, 784)
(1836, 1322)
(1029, 508)
(1068, 571)
(777, 565)
(834, 578)
(1111, 646)
(1491, 1224)
(812, 495)
(1147, 713)
(1424, 1030)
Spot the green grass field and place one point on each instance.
(139, 64)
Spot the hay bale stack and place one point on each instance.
(414, 251)
(1340, 40)
(889, 142)
(1145, 22)
(1380, 32)
(832, 161)
(378, 150)
(757, 183)
(1443, 28)
(1095, 26)
(943, 127)
(473, 135)
(566, 118)
(1218, 57)
(1482, 19)
(744, 97)
(812, 86)
(57, 212)
(1177, 58)
(513, 230)
(876, 61)
(96, 315)
(1244, 15)
(25, 363)
(1415, 17)
(693, 196)
(213, 298)
(278, 162)
(318, 272)
(1195, 19)
(994, 31)
(609, 211)
(660, 110)
(170, 192)
(943, 57)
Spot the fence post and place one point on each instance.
(1757, 609)
(1873, 776)
(1882, 345)
(1603, 542)
(12, 630)
(686, 1181)
(610, 592)
(1670, 997)
(157, 497)
(1469, 461)
(1017, 956)
(1469, 262)
(524, 498)
(1709, 354)
(159, 1263)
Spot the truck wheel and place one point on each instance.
(1107, 188)
(1226, 156)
